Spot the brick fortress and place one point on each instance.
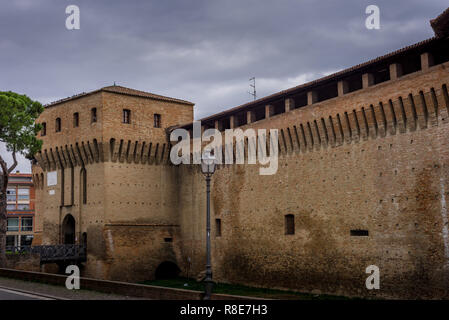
(363, 179)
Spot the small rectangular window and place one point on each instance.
(27, 224)
(359, 233)
(126, 116)
(218, 227)
(44, 129)
(93, 115)
(168, 239)
(13, 224)
(76, 119)
(58, 125)
(22, 197)
(24, 191)
(157, 120)
(23, 207)
(289, 224)
(11, 241)
(26, 240)
(11, 195)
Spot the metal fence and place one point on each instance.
(53, 253)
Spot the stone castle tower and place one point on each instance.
(362, 180)
(103, 178)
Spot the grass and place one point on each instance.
(241, 290)
(15, 253)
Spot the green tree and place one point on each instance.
(18, 132)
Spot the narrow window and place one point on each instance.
(84, 185)
(359, 233)
(289, 224)
(157, 120)
(44, 129)
(126, 116)
(85, 239)
(93, 115)
(58, 125)
(218, 227)
(76, 119)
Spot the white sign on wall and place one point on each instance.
(52, 178)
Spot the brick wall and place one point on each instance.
(388, 177)
(345, 164)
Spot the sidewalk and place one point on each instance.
(61, 292)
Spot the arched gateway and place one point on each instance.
(68, 230)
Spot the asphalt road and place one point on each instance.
(8, 294)
(29, 290)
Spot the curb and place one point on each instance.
(37, 294)
(121, 288)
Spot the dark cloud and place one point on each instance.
(200, 50)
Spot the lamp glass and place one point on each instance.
(208, 163)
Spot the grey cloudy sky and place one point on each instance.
(203, 51)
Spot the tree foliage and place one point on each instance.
(18, 130)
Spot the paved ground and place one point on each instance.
(6, 294)
(39, 291)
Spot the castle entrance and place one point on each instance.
(68, 229)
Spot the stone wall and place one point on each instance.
(387, 175)
(375, 159)
(26, 262)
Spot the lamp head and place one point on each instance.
(208, 163)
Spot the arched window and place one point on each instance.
(83, 185)
(58, 125)
(68, 229)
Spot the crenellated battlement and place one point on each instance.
(361, 180)
(408, 112)
(83, 153)
(373, 121)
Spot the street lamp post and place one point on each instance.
(208, 169)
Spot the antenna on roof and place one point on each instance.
(253, 85)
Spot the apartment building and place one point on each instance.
(20, 210)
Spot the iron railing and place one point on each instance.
(53, 253)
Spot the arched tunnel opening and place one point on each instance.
(167, 270)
